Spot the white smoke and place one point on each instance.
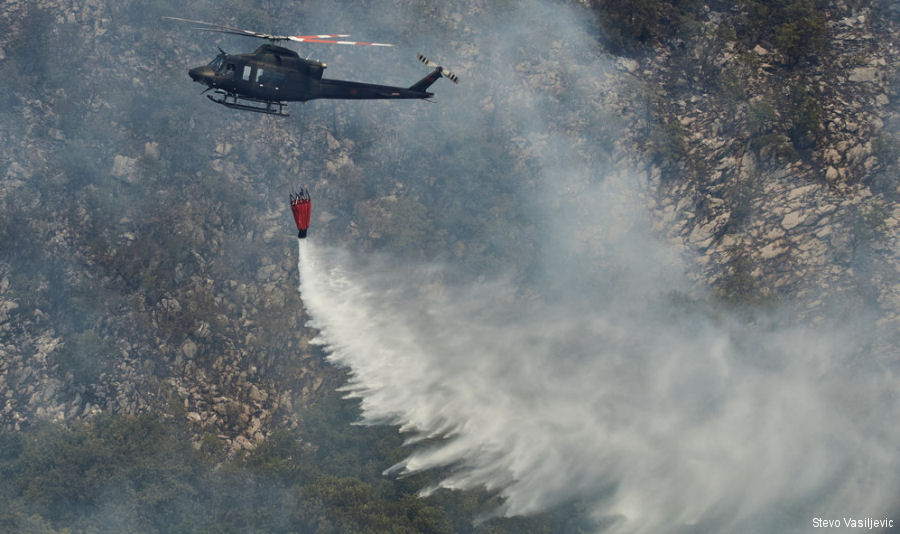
(594, 379)
(664, 415)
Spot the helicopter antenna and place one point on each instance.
(324, 38)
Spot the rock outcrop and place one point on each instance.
(144, 272)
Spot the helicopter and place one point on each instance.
(265, 80)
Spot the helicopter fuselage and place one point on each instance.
(273, 75)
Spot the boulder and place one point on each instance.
(125, 168)
(863, 74)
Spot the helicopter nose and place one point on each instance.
(201, 74)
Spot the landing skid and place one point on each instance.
(269, 107)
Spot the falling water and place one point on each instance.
(662, 414)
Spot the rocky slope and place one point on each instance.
(121, 291)
(147, 260)
(819, 227)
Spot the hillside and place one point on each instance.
(147, 258)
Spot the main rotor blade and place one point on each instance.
(315, 39)
(212, 24)
(245, 33)
(221, 28)
(323, 38)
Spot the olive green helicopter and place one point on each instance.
(265, 80)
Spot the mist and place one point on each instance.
(552, 348)
(607, 376)
(661, 412)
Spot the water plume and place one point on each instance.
(662, 413)
(601, 374)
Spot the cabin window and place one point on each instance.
(216, 64)
(247, 73)
(229, 71)
(261, 76)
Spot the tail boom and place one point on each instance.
(426, 82)
(364, 91)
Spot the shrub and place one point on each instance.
(796, 27)
(761, 117)
(806, 117)
(632, 24)
(740, 287)
(86, 355)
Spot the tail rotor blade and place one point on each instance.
(427, 61)
(444, 72)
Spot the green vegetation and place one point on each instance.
(739, 194)
(142, 247)
(740, 288)
(766, 128)
(796, 27)
(805, 116)
(782, 122)
(732, 81)
(86, 355)
(866, 223)
(786, 126)
(761, 117)
(886, 148)
(630, 24)
(142, 474)
(668, 146)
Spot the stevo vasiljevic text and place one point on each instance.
(865, 523)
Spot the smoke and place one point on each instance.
(603, 376)
(594, 378)
(660, 413)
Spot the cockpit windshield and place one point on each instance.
(216, 64)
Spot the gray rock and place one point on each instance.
(125, 168)
(151, 149)
(257, 396)
(863, 74)
(793, 219)
(189, 349)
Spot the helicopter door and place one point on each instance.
(266, 82)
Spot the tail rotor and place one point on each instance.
(444, 72)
